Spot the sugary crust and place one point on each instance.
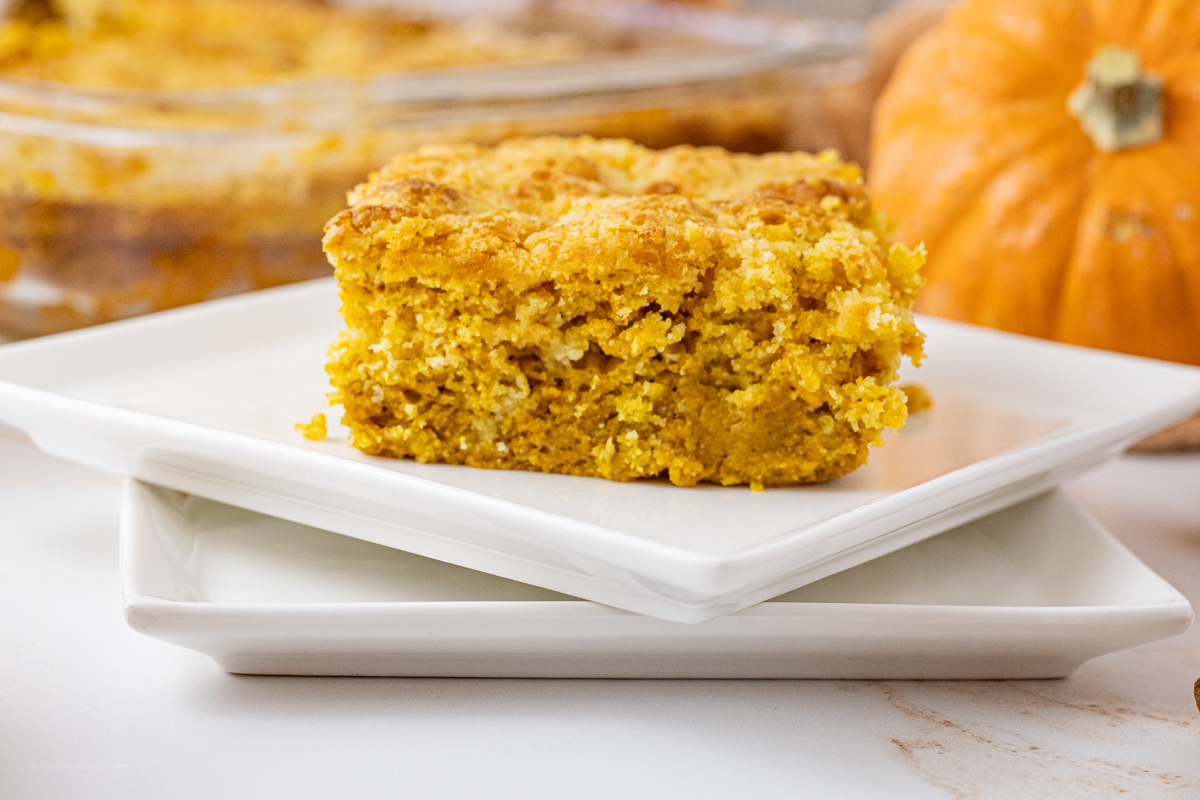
(596, 308)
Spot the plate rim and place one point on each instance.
(786, 639)
(1172, 604)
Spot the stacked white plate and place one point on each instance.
(201, 403)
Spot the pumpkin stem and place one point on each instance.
(1118, 105)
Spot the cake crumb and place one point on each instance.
(316, 430)
(916, 398)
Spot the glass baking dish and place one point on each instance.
(115, 203)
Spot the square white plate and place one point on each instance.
(204, 400)
(1029, 592)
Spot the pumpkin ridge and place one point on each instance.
(1057, 309)
(1116, 21)
(1119, 272)
(951, 55)
(985, 288)
(1178, 240)
(1049, 51)
(1165, 35)
(978, 186)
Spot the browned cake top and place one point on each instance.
(531, 209)
(542, 177)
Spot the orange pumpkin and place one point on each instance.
(1048, 154)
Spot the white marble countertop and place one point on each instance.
(89, 708)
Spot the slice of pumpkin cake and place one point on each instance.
(593, 307)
